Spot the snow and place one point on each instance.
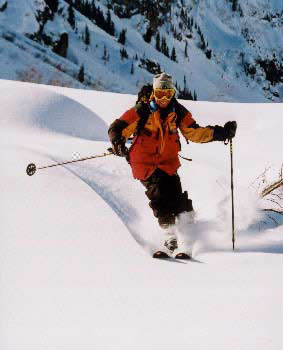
(20, 16)
(75, 268)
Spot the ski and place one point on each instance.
(183, 256)
(160, 255)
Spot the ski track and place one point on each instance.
(126, 212)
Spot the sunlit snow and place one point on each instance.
(75, 241)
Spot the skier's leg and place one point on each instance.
(165, 193)
(185, 210)
(185, 229)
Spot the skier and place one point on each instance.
(154, 122)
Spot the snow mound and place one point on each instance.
(38, 107)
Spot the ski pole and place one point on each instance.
(232, 194)
(31, 168)
(188, 159)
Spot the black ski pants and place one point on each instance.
(167, 199)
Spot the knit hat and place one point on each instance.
(163, 81)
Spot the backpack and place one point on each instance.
(145, 93)
(143, 107)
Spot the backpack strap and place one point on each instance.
(143, 106)
(143, 110)
(181, 112)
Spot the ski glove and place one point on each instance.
(225, 133)
(230, 129)
(119, 148)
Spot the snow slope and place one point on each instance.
(75, 268)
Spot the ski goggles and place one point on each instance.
(164, 93)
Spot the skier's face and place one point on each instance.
(163, 97)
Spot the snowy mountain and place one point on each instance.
(75, 240)
(217, 50)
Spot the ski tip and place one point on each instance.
(160, 255)
(183, 256)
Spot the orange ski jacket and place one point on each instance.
(157, 144)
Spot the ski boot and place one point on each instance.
(167, 223)
(171, 240)
(171, 243)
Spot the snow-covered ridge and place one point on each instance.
(221, 54)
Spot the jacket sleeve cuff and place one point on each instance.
(219, 133)
(116, 128)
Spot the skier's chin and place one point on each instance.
(163, 104)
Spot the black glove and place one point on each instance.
(119, 148)
(226, 132)
(230, 129)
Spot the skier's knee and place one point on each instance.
(153, 192)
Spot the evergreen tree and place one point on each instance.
(43, 17)
(148, 35)
(108, 18)
(105, 56)
(99, 18)
(81, 75)
(164, 47)
(186, 49)
(60, 47)
(53, 5)
(182, 15)
(173, 55)
(208, 53)
(195, 96)
(122, 37)
(71, 16)
(185, 94)
(177, 87)
(87, 36)
(166, 51)
(189, 24)
(132, 68)
(4, 6)
(157, 42)
(110, 27)
(124, 53)
(234, 5)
